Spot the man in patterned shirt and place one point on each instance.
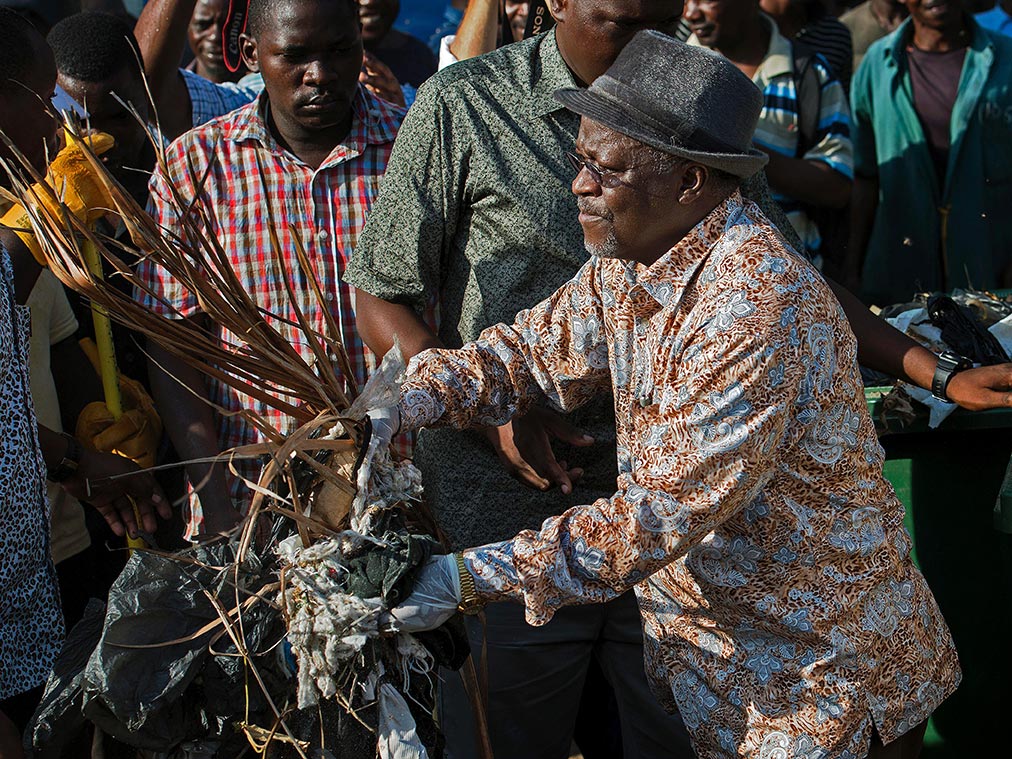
(782, 613)
(323, 142)
(476, 213)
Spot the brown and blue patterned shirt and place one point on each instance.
(782, 612)
(476, 214)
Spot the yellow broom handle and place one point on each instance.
(103, 339)
(107, 358)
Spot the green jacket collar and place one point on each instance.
(895, 52)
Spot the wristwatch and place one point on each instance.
(470, 601)
(67, 467)
(949, 364)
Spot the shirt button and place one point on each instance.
(324, 235)
(330, 296)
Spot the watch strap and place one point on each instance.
(67, 467)
(949, 364)
(470, 601)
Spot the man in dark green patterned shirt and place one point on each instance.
(476, 215)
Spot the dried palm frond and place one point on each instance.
(266, 366)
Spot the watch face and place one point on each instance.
(470, 607)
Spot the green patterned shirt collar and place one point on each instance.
(549, 74)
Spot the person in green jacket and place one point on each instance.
(932, 133)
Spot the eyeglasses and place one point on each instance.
(604, 177)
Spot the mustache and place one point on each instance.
(586, 207)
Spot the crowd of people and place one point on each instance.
(631, 259)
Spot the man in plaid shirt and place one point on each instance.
(323, 142)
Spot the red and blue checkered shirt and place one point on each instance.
(325, 208)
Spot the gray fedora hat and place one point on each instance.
(683, 100)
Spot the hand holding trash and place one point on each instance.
(114, 486)
(74, 182)
(384, 423)
(434, 598)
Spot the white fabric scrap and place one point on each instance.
(398, 738)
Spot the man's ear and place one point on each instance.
(248, 50)
(694, 178)
(558, 9)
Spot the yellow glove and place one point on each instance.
(73, 179)
(136, 434)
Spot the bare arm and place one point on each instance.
(180, 390)
(884, 348)
(816, 182)
(862, 218)
(380, 321)
(478, 30)
(161, 34)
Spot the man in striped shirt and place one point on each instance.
(806, 171)
(323, 142)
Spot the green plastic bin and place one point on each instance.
(949, 479)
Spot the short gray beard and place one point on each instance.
(606, 249)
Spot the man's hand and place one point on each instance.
(433, 600)
(136, 434)
(115, 486)
(525, 450)
(982, 388)
(380, 80)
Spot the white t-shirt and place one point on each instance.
(52, 322)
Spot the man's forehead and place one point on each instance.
(293, 20)
(594, 138)
(210, 8)
(98, 93)
(632, 9)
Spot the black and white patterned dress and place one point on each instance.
(31, 624)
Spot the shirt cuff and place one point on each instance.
(491, 566)
(446, 58)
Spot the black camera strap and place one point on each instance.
(538, 18)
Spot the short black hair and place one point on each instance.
(19, 42)
(94, 46)
(258, 10)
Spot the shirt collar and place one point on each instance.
(663, 279)
(550, 73)
(374, 122)
(895, 49)
(779, 60)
